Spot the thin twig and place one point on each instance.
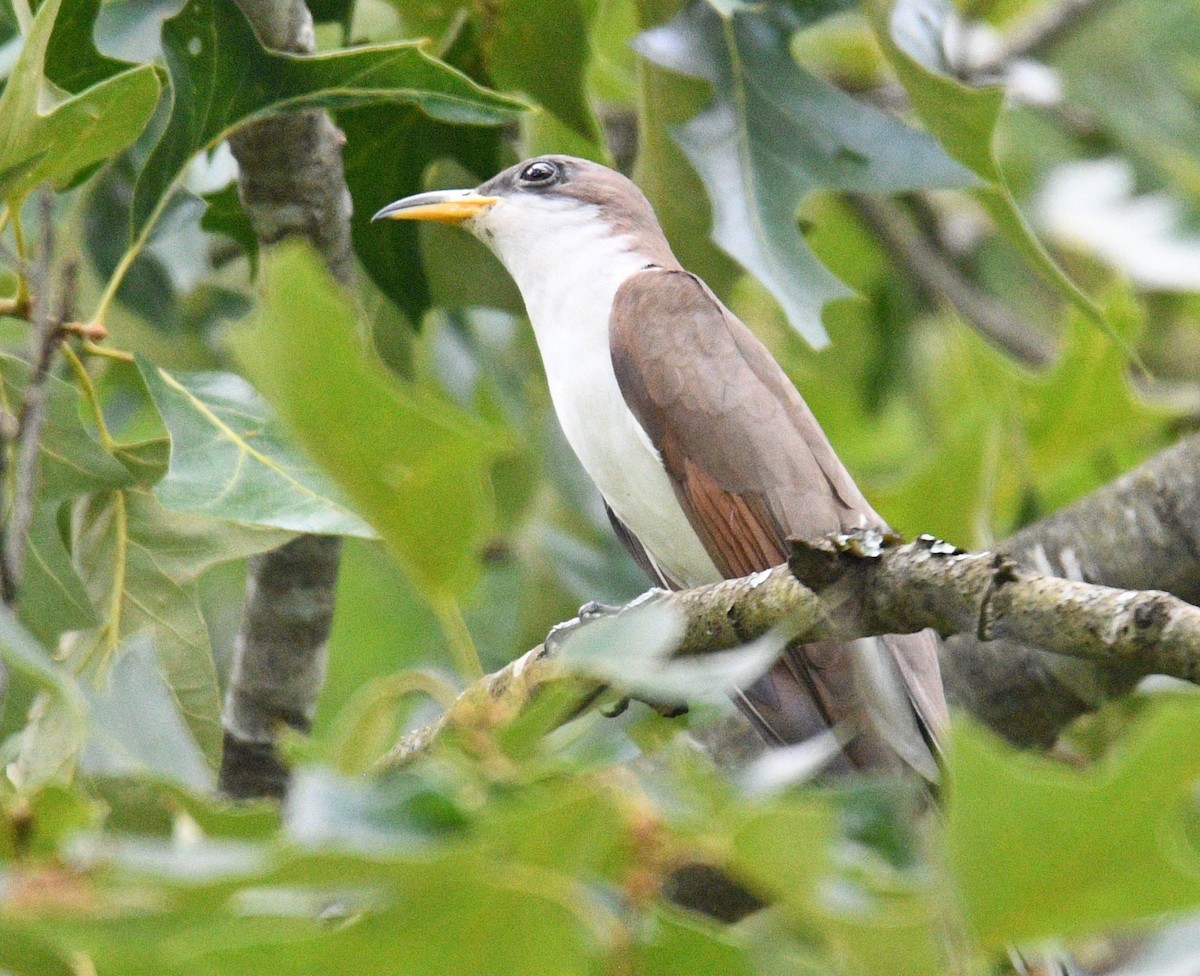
(940, 281)
(1038, 35)
(48, 316)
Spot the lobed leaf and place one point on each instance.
(775, 133)
(1041, 850)
(221, 77)
(229, 460)
(48, 137)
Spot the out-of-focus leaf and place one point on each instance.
(412, 464)
(1012, 438)
(230, 461)
(399, 811)
(72, 61)
(542, 49)
(773, 135)
(140, 564)
(1132, 66)
(241, 908)
(1041, 850)
(27, 955)
(43, 138)
(226, 215)
(210, 51)
(518, 42)
(136, 727)
(684, 945)
(964, 120)
(148, 287)
(631, 650)
(151, 807)
(381, 625)
(62, 724)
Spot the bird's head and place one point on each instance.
(543, 209)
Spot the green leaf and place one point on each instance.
(230, 461)
(72, 61)
(412, 464)
(964, 120)
(774, 134)
(52, 597)
(140, 564)
(45, 136)
(683, 945)
(1041, 850)
(61, 726)
(211, 52)
(388, 151)
(542, 49)
(136, 727)
(400, 810)
(71, 461)
(666, 100)
(1133, 67)
(512, 43)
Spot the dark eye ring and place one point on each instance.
(538, 172)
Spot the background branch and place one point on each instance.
(291, 181)
(937, 278)
(1141, 531)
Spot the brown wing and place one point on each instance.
(751, 467)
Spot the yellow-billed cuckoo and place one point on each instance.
(706, 455)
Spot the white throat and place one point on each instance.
(568, 265)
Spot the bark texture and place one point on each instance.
(291, 181)
(1141, 531)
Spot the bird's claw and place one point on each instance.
(593, 610)
(560, 632)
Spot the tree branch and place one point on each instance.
(940, 281)
(1139, 532)
(1038, 35)
(291, 181)
(991, 597)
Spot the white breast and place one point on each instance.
(568, 276)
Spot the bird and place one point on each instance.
(706, 455)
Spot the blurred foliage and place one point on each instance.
(411, 415)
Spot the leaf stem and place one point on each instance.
(119, 355)
(112, 627)
(89, 391)
(4, 215)
(24, 16)
(462, 646)
(126, 262)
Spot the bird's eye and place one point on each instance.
(538, 173)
